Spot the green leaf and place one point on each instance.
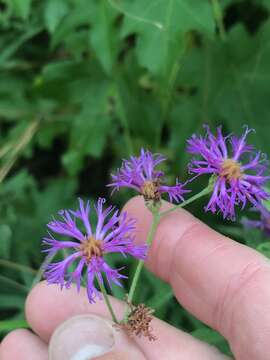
(9, 301)
(183, 120)
(133, 103)
(266, 4)
(9, 325)
(161, 27)
(5, 241)
(90, 127)
(212, 337)
(54, 12)
(78, 16)
(17, 267)
(78, 43)
(15, 187)
(264, 248)
(73, 161)
(233, 86)
(164, 295)
(9, 284)
(11, 48)
(234, 232)
(104, 36)
(22, 7)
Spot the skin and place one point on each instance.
(223, 283)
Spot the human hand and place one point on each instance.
(223, 283)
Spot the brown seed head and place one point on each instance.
(231, 170)
(150, 190)
(138, 322)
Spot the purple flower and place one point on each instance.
(139, 173)
(239, 170)
(262, 224)
(114, 233)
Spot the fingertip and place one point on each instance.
(22, 344)
(9, 340)
(137, 210)
(90, 336)
(31, 297)
(135, 206)
(167, 236)
(47, 306)
(44, 296)
(30, 303)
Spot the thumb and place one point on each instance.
(87, 337)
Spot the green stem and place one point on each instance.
(107, 300)
(150, 237)
(204, 192)
(219, 18)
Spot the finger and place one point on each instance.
(22, 344)
(223, 283)
(47, 307)
(90, 337)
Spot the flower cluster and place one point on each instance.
(239, 171)
(139, 173)
(238, 175)
(114, 233)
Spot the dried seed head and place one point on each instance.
(139, 321)
(150, 190)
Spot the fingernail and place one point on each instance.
(82, 337)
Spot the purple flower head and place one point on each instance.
(262, 224)
(139, 173)
(240, 171)
(114, 233)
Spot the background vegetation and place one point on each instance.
(84, 83)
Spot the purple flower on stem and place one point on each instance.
(262, 224)
(139, 173)
(114, 233)
(239, 171)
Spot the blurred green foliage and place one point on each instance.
(85, 83)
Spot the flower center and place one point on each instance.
(231, 170)
(150, 190)
(91, 247)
